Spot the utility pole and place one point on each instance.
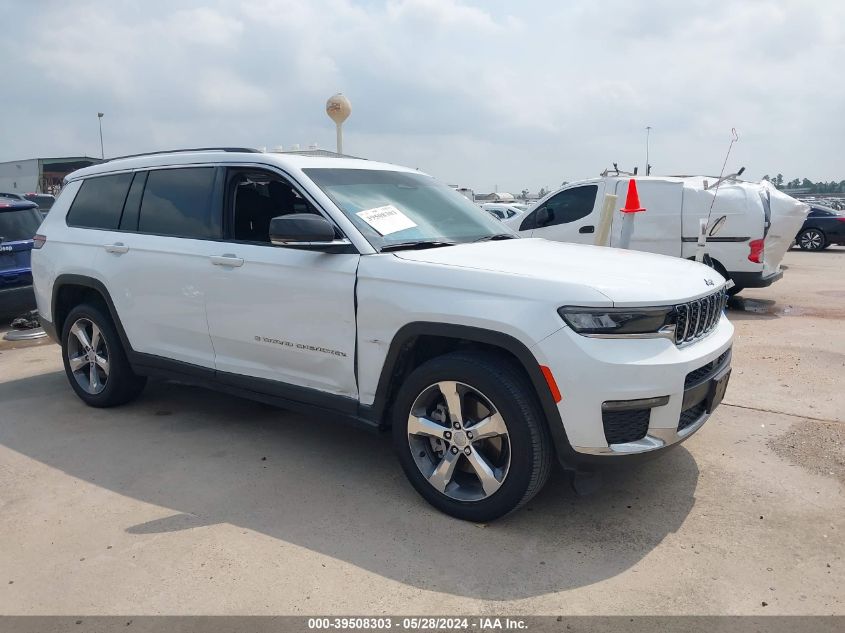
(100, 121)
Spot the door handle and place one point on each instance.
(118, 248)
(587, 229)
(232, 261)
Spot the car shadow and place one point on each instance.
(745, 309)
(339, 491)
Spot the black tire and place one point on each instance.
(528, 443)
(120, 384)
(812, 240)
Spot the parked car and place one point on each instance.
(19, 221)
(824, 226)
(759, 225)
(43, 200)
(373, 293)
(502, 211)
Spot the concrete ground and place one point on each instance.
(192, 502)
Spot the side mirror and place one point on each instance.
(304, 230)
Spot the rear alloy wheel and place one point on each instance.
(470, 436)
(95, 361)
(811, 240)
(88, 356)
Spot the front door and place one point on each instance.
(278, 313)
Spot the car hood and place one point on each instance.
(627, 278)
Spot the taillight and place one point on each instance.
(841, 218)
(757, 247)
(38, 240)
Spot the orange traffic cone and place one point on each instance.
(632, 201)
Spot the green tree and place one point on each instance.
(524, 194)
(806, 182)
(779, 181)
(766, 178)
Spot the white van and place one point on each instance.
(760, 221)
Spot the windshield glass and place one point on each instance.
(44, 202)
(19, 225)
(393, 207)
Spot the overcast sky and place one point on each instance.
(514, 94)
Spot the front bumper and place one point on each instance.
(592, 372)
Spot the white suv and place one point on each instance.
(373, 293)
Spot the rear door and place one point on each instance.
(658, 228)
(156, 262)
(571, 215)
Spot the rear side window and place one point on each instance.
(180, 202)
(99, 202)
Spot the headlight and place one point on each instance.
(634, 322)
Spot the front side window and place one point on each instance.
(180, 202)
(99, 202)
(394, 207)
(567, 206)
(255, 197)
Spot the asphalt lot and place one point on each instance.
(192, 502)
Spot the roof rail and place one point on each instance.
(245, 150)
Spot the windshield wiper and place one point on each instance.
(398, 246)
(496, 236)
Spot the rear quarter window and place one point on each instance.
(99, 202)
(180, 202)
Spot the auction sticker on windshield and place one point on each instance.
(387, 219)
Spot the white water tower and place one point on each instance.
(338, 108)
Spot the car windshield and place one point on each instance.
(396, 207)
(44, 202)
(20, 224)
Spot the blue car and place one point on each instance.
(19, 221)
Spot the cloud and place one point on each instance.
(479, 94)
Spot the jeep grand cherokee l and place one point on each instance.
(374, 293)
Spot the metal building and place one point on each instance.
(40, 175)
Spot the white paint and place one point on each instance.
(326, 315)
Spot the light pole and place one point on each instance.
(338, 108)
(100, 121)
(647, 166)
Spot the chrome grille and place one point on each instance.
(697, 318)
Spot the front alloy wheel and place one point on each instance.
(470, 434)
(459, 441)
(88, 356)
